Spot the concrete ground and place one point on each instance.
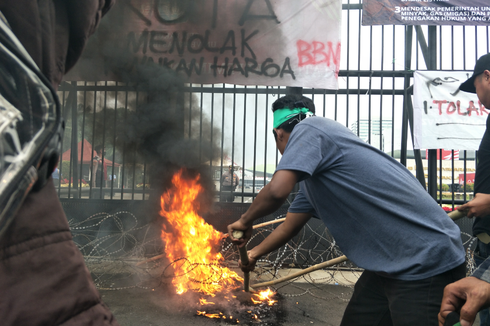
(307, 301)
(319, 298)
(295, 307)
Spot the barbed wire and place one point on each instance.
(121, 254)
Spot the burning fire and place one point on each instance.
(192, 245)
(193, 241)
(264, 296)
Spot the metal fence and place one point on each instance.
(373, 99)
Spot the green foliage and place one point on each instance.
(469, 187)
(445, 187)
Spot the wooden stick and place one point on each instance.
(456, 215)
(269, 223)
(244, 258)
(328, 263)
(150, 259)
(255, 227)
(246, 275)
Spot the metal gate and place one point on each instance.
(234, 122)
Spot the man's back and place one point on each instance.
(375, 208)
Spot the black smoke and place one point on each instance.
(154, 129)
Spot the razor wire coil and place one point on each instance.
(117, 251)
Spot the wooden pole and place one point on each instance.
(327, 263)
(246, 275)
(454, 215)
(244, 258)
(269, 223)
(151, 259)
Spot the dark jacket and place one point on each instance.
(482, 179)
(54, 32)
(43, 277)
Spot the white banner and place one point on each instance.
(444, 117)
(426, 12)
(247, 42)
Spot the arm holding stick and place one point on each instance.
(244, 260)
(478, 206)
(293, 223)
(268, 200)
(279, 237)
(239, 235)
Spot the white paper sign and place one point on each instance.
(444, 117)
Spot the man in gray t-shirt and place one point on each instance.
(382, 218)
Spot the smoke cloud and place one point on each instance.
(155, 127)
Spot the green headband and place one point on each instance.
(283, 115)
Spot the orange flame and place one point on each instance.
(203, 302)
(263, 296)
(194, 241)
(203, 313)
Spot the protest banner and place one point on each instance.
(445, 117)
(250, 42)
(425, 12)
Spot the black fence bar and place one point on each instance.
(373, 100)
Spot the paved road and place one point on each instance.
(298, 304)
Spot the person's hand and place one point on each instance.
(252, 260)
(478, 206)
(469, 295)
(240, 226)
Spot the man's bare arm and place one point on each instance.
(280, 236)
(268, 200)
(478, 206)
